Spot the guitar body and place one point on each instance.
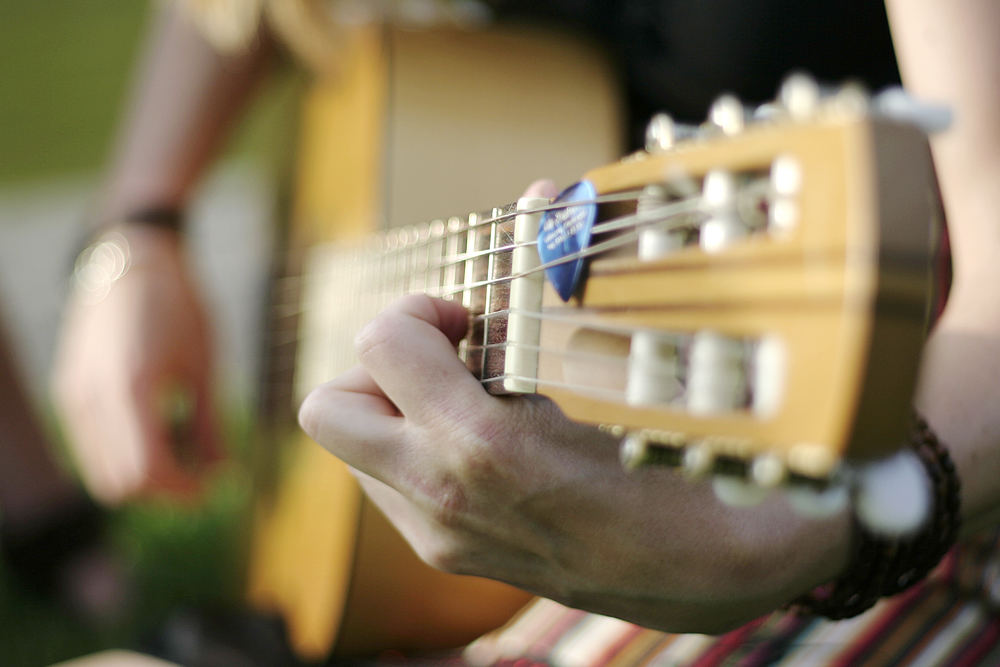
(415, 123)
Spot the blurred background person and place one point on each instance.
(65, 68)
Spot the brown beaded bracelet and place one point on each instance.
(882, 567)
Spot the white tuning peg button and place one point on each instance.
(727, 113)
(633, 451)
(893, 495)
(660, 133)
(899, 105)
(799, 95)
(737, 492)
(815, 503)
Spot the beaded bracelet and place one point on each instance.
(882, 567)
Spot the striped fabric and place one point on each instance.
(952, 618)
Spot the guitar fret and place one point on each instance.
(408, 277)
(415, 267)
(525, 296)
(475, 299)
(487, 296)
(380, 278)
(454, 271)
(400, 283)
(421, 237)
(435, 256)
(498, 299)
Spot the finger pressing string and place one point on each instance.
(409, 350)
(355, 421)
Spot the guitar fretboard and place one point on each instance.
(487, 261)
(467, 259)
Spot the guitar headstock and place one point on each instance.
(753, 294)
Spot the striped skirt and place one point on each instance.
(951, 618)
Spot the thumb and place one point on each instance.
(542, 188)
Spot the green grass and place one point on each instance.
(64, 65)
(176, 558)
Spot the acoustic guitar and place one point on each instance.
(746, 299)
(414, 119)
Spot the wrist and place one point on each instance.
(123, 247)
(882, 566)
(820, 549)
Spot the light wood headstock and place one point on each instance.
(759, 301)
(751, 300)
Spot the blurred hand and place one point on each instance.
(125, 359)
(509, 488)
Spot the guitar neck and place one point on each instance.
(694, 307)
(468, 259)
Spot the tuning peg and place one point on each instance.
(697, 460)
(786, 176)
(814, 502)
(655, 240)
(639, 449)
(851, 98)
(633, 451)
(786, 185)
(899, 105)
(811, 460)
(727, 114)
(799, 95)
(660, 135)
(723, 225)
(893, 496)
(738, 492)
(770, 372)
(767, 471)
(765, 112)
(716, 379)
(663, 133)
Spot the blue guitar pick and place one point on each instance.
(565, 232)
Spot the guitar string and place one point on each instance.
(617, 329)
(559, 315)
(509, 212)
(388, 242)
(578, 387)
(664, 213)
(670, 223)
(386, 294)
(575, 387)
(748, 192)
(675, 219)
(562, 316)
(375, 248)
(378, 246)
(565, 316)
(678, 339)
(612, 225)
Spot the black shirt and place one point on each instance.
(679, 55)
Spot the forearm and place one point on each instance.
(950, 53)
(186, 95)
(147, 331)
